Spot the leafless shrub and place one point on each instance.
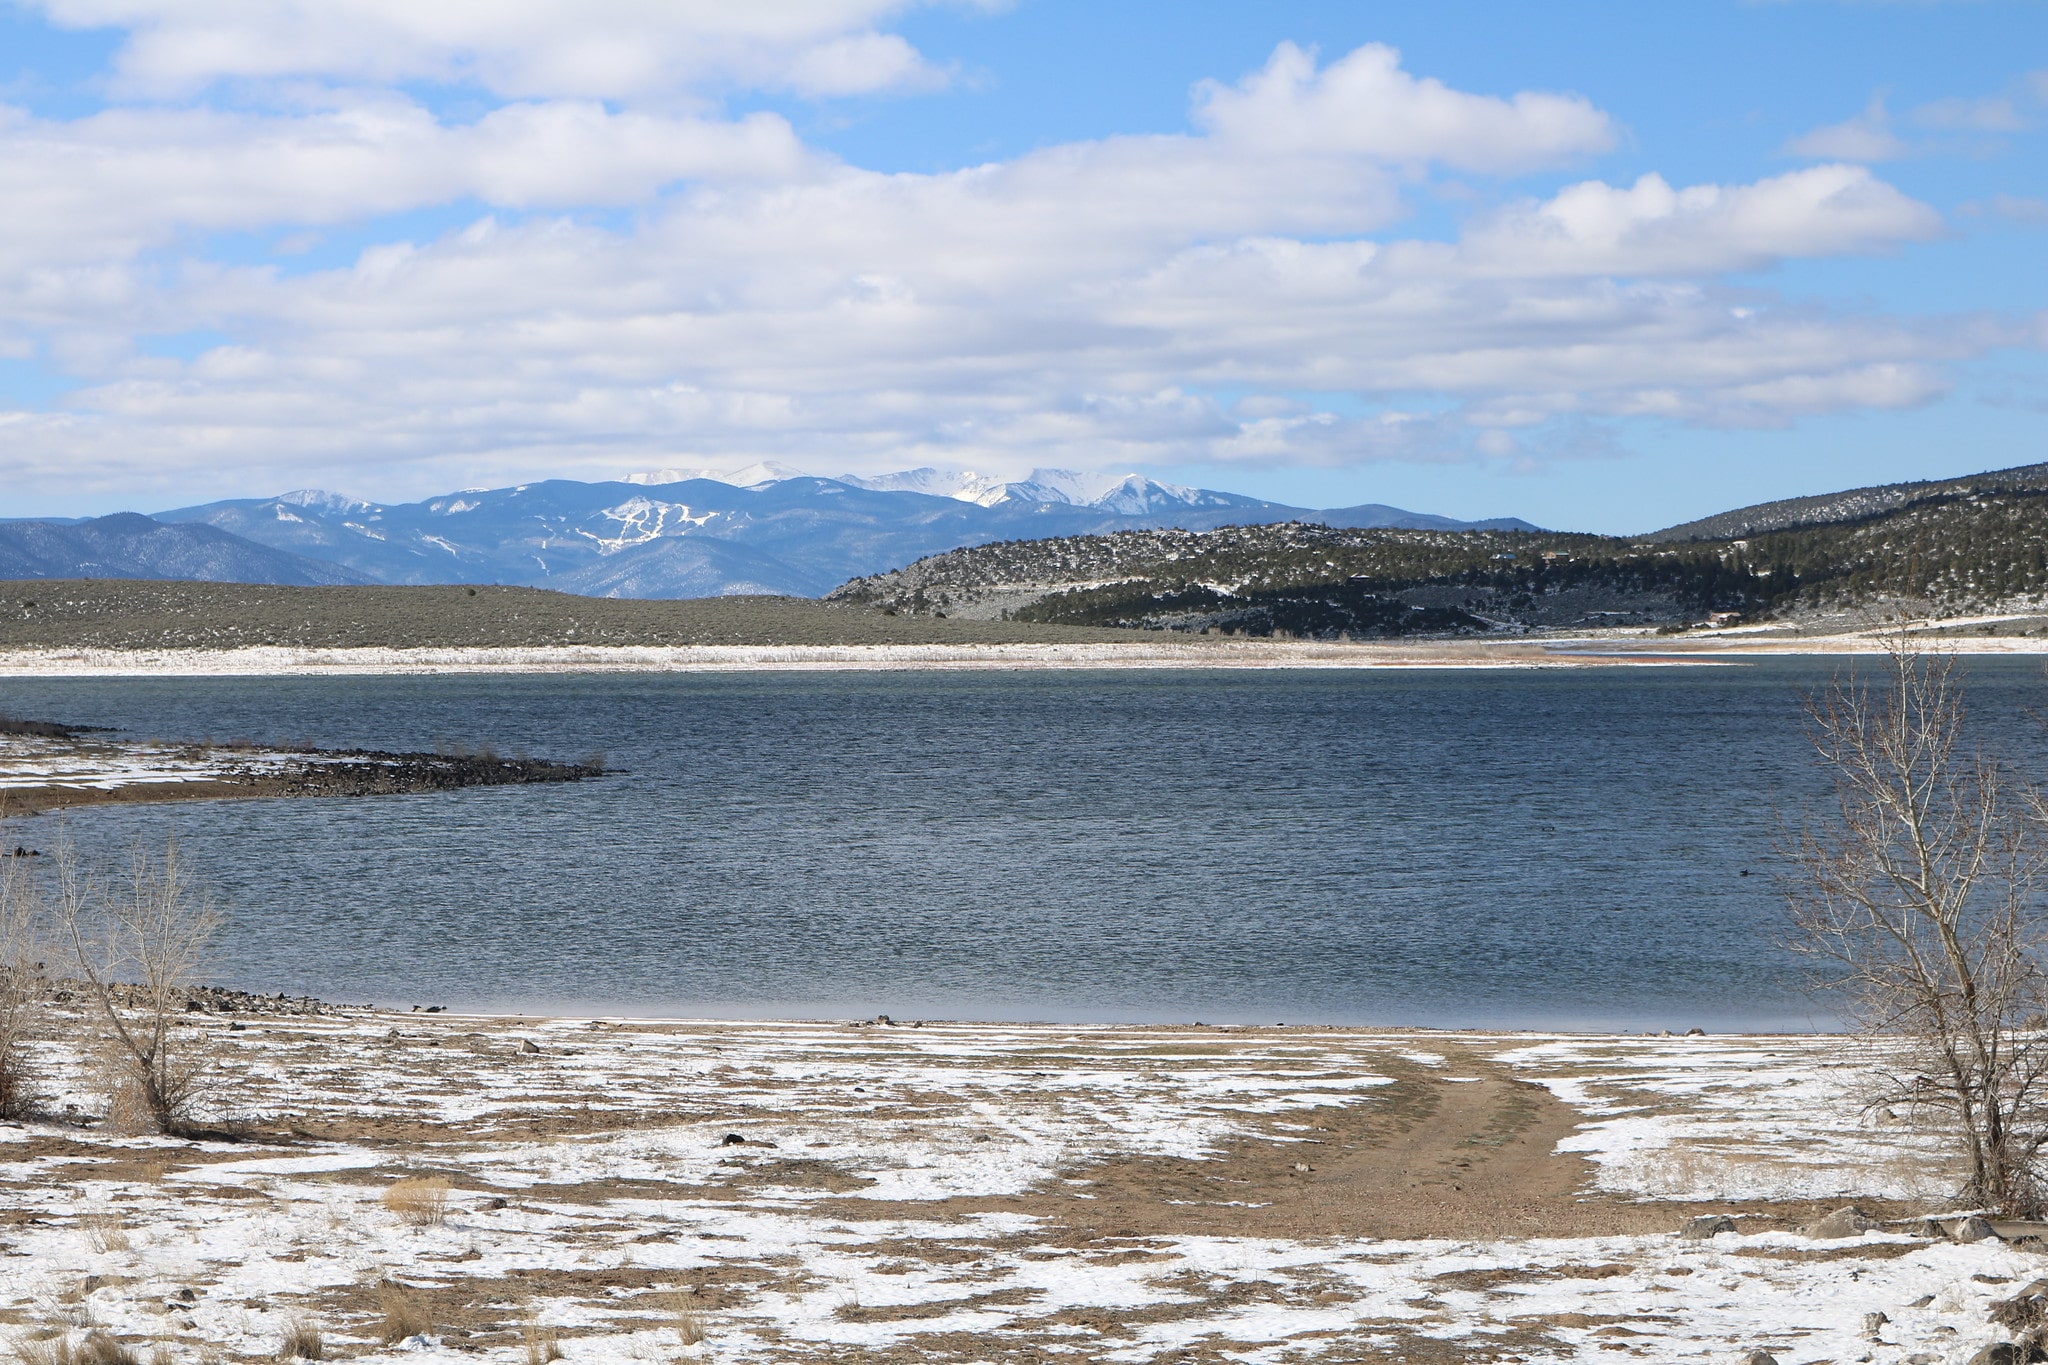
(421, 1201)
(404, 1314)
(1916, 902)
(23, 984)
(152, 925)
(302, 1341)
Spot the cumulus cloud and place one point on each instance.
(1364, 104)
(1650, 228)
(594, 49)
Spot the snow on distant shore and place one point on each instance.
(267, 660)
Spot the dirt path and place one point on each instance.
(1466, 1150)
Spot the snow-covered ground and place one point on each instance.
(265, 660)
(107, 765)
(824, 1192)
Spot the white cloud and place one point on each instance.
(1083, 304)
(2017, 208)
(113, 183)
(596, 49)
(1990, 114)
(1866, 137)
(1649, 228)
(1364, 104)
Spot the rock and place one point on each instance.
(1695, 1033)
(1759, 1358)
(1843, 1222)
(2024, 1311)
(1873, 1323)
(1706, 1225)
(528, 1046)
(732, 1140)
(2002, 1353)
(494, 1203)
(1922, 1301)
(1970, 1229)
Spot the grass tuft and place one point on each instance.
(542, 1346)
(404, 1314)
(687, 1321)
(105, 1232)
(302, 1341)
(421, 1201)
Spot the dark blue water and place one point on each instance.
(1425, 847)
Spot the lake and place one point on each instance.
(1556, 848)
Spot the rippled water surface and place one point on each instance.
(1430, 847)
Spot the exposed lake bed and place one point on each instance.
(648, 1190)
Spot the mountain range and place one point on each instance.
(665, 533)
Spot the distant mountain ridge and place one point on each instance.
(129, 545)
(761, 530)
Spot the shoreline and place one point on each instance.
(1554, 653)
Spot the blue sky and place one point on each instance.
(1604, 266)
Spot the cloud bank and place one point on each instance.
(614, 273)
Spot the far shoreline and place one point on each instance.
(1565, 652)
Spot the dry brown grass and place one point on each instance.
(97, 1349)
(686, 1321)
(405, 1315)
(542, 1346)
(421, 1201)
(105, 1231)
(302, 1341)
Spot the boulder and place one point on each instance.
(1706, 1225)
(1843, 1222)
(1970, 1229)
(2003, 1353)
(1759, 1358)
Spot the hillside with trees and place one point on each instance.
(1951, 553)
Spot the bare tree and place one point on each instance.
(154, 927)
(23, 985)
(1916, 903)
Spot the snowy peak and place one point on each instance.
(962, 484)
(752, 476)
(1125, 494)
(320, 500)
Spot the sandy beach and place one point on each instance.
(642, 1190)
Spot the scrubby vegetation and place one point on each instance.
(1956, 553)
(129, 614)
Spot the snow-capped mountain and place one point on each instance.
(760, 529)
(749, 476)
(1131, 495)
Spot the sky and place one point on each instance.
(1604, 266)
